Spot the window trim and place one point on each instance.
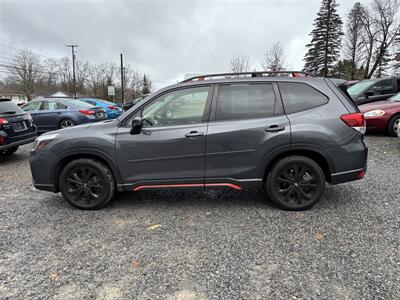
(278, 107)
(206, 111)
(283, 103)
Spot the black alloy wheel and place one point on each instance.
(295, 183)
(87, 184)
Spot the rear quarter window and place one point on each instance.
(300, 96)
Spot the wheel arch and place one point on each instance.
(312, 153)
(92, 154)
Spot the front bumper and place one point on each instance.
(375, 124)
(42, 169)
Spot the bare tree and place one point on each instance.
(49, 81)
(81, 73)
(239, 63)
(354, 45)
(25, 72)
(99, 76)
(133, 82)
(381, 28)
(274, 59)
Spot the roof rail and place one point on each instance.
(251, 74)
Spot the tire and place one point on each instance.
(295, 183)
(394, 125)
(65, 123)
(10, 151)
(87, 183)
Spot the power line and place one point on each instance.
(16, 49)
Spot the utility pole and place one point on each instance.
(73, 65)
(122, 79)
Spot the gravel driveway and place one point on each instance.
(203, 245)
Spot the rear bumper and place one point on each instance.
(350, 162)
(347, 176)
(24, 139)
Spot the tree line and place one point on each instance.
(368, 47)
(33, 75)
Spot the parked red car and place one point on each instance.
(383, 116)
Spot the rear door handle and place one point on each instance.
(194, 134)
(274, 128)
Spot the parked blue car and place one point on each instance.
(112, 110)
(56, 113)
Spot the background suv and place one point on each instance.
(289, 135)
(16, 127)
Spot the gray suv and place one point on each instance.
(248, 130)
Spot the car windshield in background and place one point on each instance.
(80, 103)
(9, 108)
(395, 98)
(360, 87)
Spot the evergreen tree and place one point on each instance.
(354, 46)
(146, 89)
(324, 49)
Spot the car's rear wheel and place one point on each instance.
(10, 151)
(295, 183)
(66, 123)
(87, 183)
(394, 126)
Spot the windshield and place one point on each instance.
(9, 108)
(360, 87)
(395, 98)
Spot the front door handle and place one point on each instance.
(274, 128)
(193, 134)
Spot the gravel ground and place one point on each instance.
(203, 245)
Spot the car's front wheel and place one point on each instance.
(87, 183)
(295, 183)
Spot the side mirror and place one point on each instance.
(369, 94)
(137, 125)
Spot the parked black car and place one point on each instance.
(371, 90)
(289, 135)
(127, 105)
(16, 127)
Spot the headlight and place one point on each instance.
(43, 140)
(374, 113)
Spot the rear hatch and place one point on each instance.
(13, 120)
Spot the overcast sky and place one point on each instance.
(165, 39)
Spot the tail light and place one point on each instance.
(3, 121)
(355, 121)
(113, 107)
(1, 139)
(87, 112)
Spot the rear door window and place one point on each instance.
(245, 101)
(300, 96)
(53, 105)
